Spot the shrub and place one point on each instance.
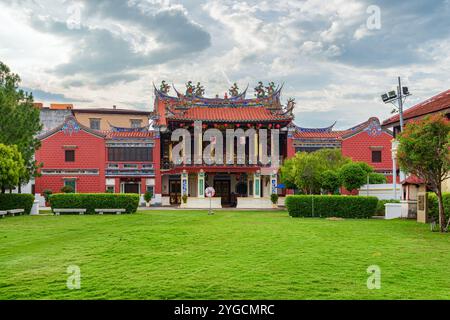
(377, 178)
(10, 201)
(353, 176)
(380, 207)
(67, 189)
(274, 198)
(184, 197)
(91, 201)
(330, 181)
(46, 194)
(331, 206)
(433, 207)
(148, 196)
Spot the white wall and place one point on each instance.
(381, 191)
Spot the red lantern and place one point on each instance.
(205, 126)
(226, 125)
(181, 125)
(270, 126)
(238, 125)
(278, 126)
(249, 125)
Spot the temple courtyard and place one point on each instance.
(230, 255)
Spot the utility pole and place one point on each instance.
(391, 97)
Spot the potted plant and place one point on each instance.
(274, 199)
(148, 197)
(185, 197)
(46, 194)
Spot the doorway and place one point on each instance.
(131, 187)
(222, 188)
(175, 191)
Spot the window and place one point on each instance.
(110, 189)
(376, 156)
(71, 183)
(136, 123)
(130, 154)
(94, 123)
(70, 155)
(130, 166)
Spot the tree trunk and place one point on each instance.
(19, 188)
(3, 190)
(442, 221)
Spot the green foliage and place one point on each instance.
(148, 196)
(46, 194)
(184, 198)
(433, 207)
(274, 198)
(368, 169)
(109, 191)
(92, 201)
(424, 151)
(377, 178)
(353, 176)
(11, 166)
(330, 181)
(380, 207)
(304, 170)
(331, 206)
(67, 189)
(9, 201)
(19, 123)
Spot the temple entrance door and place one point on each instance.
(175, 191)
(131, 188)
(222, 188)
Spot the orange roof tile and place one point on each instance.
(435, 104)
(229, 114)
(61, 106)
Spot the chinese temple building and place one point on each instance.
(244, 185)
(131, 151)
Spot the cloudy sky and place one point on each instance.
(334, 56)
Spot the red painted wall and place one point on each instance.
(357, 147)
(89, 154)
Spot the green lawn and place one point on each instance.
(231, 255)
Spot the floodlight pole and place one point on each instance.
(400, 103)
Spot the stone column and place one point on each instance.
(184, 183)
(273, 182)
(257, 185)
(201, 184)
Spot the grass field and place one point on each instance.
(231, 255)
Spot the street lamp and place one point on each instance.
(397, 99)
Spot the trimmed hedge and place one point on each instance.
(381, 210)
(9, 201)
(331, 206)
(433, 207)
(92, 201)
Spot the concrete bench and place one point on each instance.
(58, 211)
(16, 211)
(116, 211)
(3, 213)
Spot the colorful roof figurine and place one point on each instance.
(234, 107)
(371, 126)
(438, 103)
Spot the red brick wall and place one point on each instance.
(358, 148)
(89, 154)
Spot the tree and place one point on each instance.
(11, 166)
(353, 176)
(19, 123)
(304, 170)
(307, 169)
(330, 181)
(377, 178)
(424, 151)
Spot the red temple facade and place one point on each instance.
(140, 159)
